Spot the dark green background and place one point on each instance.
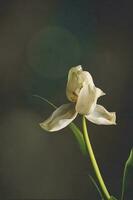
(39, 41)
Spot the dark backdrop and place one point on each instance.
(39, 42)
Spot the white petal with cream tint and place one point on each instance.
(87, 99)
(73, 84)
(76, 78)
(60, 118)
(101, 116)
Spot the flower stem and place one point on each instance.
(94, 162)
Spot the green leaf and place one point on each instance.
(79, 136)
(46, 100)
(112, 198)
(98, 189)
(77, 133)
(96, 186)
(127, 186)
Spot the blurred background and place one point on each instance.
(39, 42)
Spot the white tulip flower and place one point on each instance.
(83, 95)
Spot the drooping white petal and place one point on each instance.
(60, 118)
(76, 78)
(87, 99)
(101, 116)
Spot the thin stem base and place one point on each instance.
(94, 162)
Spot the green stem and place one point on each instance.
(94, 162)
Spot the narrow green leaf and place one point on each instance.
(112, 198)
(46, 100)
(127, 185)
(76, 131)
(98, 189)
(79, 136)
(96, 186)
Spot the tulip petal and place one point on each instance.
(99, 92)
(101, 116)
(87, 99)
(85, 77)
(73, 84)
(60, 118)
(76, 78)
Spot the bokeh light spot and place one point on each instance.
(52, 51)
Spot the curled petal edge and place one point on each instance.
(101, 116)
